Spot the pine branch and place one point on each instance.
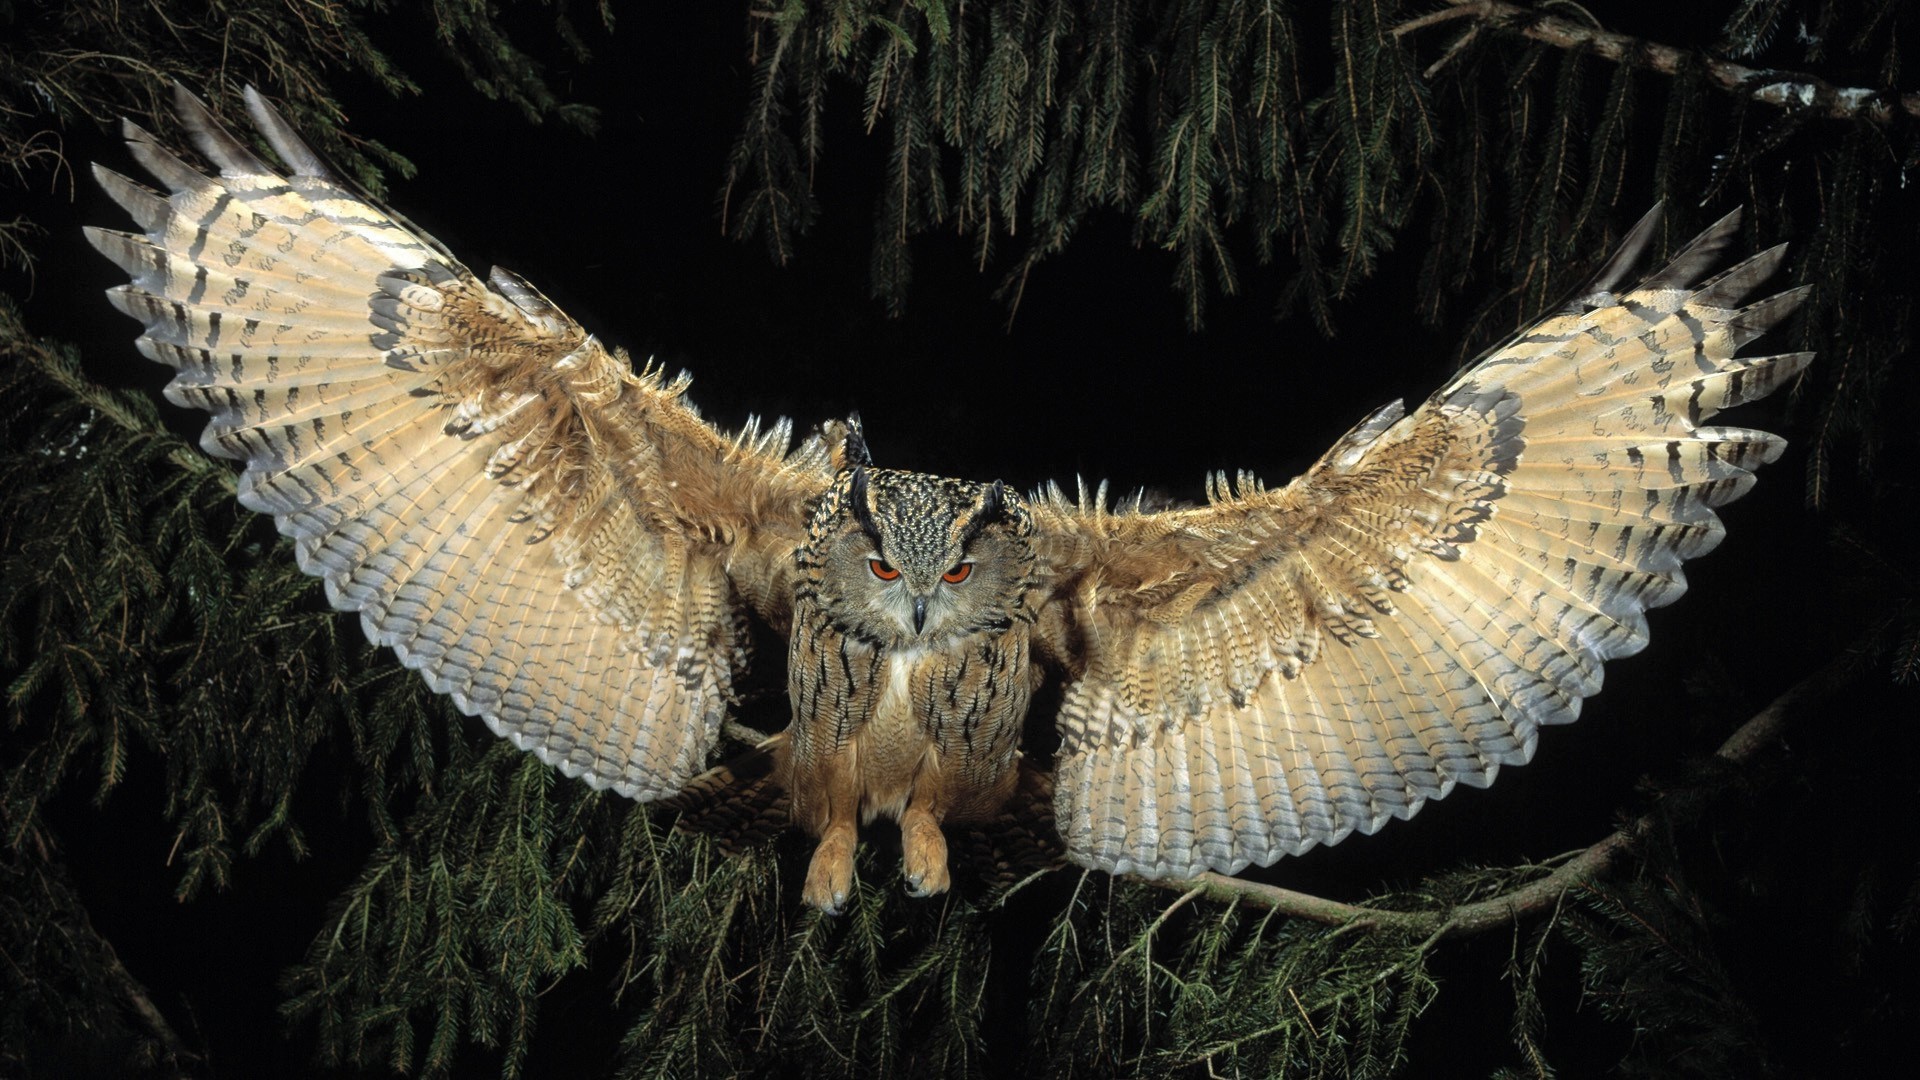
(1785, 89)
(62, 371)
(1543, 894)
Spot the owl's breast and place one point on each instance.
(897, 712)
(941, 721)
(949, 717)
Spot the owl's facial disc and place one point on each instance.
(910, 604)
(918, 559)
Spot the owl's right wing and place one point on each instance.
(1283, 667)
(564, 547)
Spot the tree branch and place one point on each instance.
(50, 877)
(174, 1052)
(1536, 896)
(1785, 89)
(58, 368)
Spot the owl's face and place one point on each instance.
(908, 560)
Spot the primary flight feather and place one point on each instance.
(567, 549)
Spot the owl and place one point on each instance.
(569, 551)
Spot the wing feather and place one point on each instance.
(540, 532)
(1282, 668)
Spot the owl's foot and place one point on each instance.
(923, 851)
(830, 874)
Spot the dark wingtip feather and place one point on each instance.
(216, 142)
(1729, 287)
(521, 293)
(161, 163)
(1702, 254)
(1632, 248)
(286, 142)
(148, 207)
(1759, 317)
(129, 252)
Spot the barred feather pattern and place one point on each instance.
(1283, 668)
(739, 803)
(543, 534)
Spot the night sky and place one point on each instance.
(1097, 377)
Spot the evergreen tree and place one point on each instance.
(187, 719)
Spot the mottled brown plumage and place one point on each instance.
(568, 550)
(908, 692)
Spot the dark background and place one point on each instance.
(1095, 377)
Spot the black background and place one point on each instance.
(1096, 377)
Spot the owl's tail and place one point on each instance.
(740, 803)
(1020, 841)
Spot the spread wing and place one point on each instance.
(560, 544)
(1280, 668)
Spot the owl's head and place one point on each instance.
(904, 559)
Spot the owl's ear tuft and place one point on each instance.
(992, 508)
(862, 508)
(993, 504)
(853, 449)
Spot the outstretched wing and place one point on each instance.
(1280, 668)
(561, 545)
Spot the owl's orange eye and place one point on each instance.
(882, 569)
(958, 574)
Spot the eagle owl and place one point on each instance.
(567, 549)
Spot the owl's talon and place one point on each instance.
(919, 888)
(924, 855)
(830, 874)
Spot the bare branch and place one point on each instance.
(52, 881)
(1539, 895)
(140, 1003)
(1786, 89)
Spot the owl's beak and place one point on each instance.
(919, 614)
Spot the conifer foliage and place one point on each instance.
(167, 670)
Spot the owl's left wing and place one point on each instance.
(1280, 668)
(563, 546)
